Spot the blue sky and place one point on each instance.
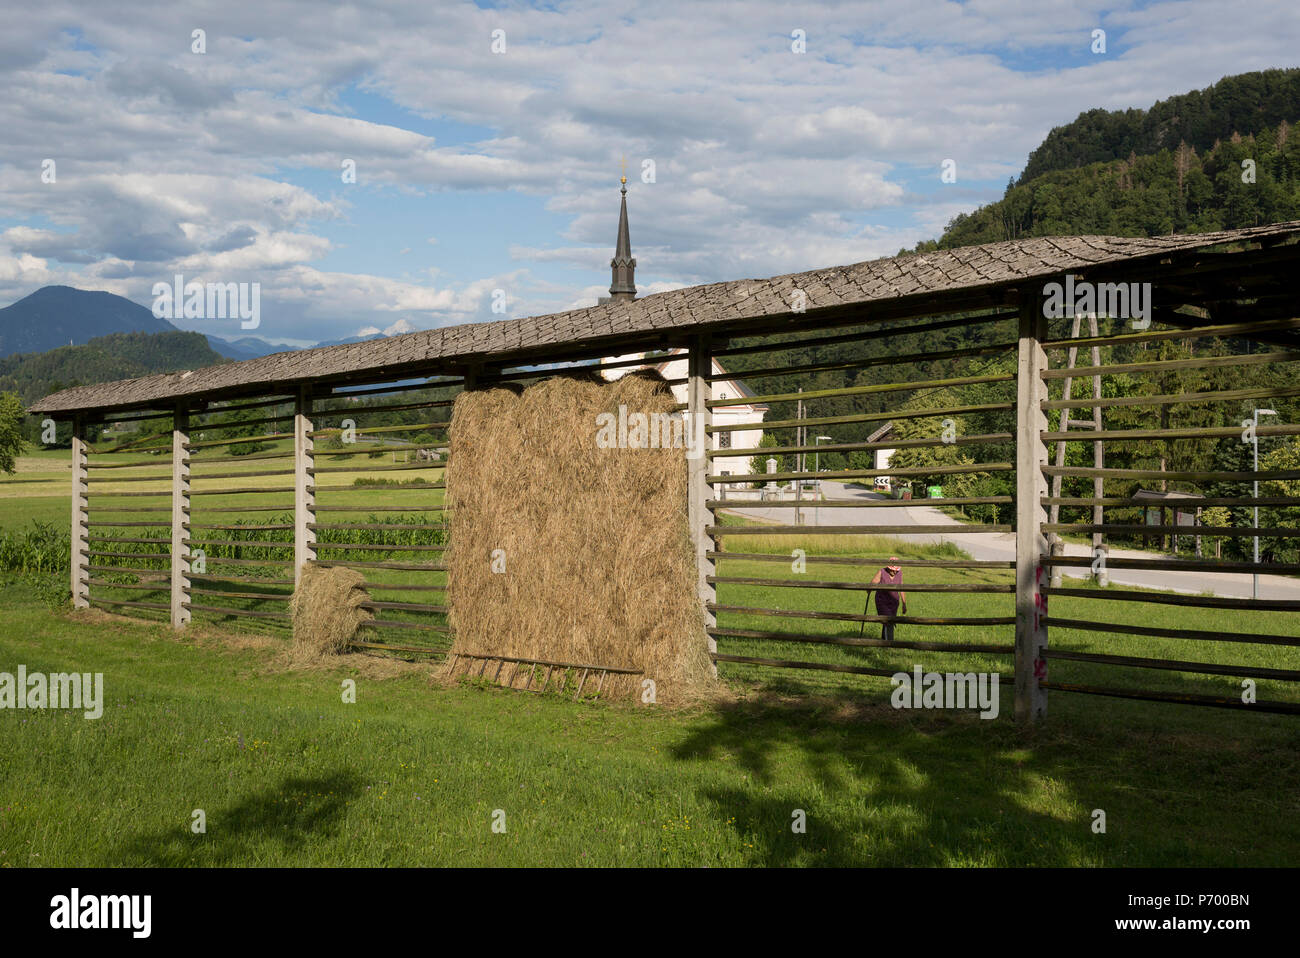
(480, 171)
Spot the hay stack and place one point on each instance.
(326, 610)
(599, 564)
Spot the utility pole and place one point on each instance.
(798, 465)
(1254, 434)
(817, 468)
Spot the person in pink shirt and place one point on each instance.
(888, 600)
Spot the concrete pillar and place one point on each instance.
(304, 486)
(80, 518)
(180, 518)
(700, 417)
(1031, 486)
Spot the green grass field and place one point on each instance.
(412, 773)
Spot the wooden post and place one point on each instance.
(304, 486)
(80, 508)
(699, 391)
(180, 518)
(1031, 545)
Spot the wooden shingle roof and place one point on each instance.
(715, 306)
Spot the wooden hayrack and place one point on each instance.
(533, 665)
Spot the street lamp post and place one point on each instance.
(1254, 434)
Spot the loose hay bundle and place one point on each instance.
(326, 610)
(599, 567)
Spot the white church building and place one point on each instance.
(673, 367)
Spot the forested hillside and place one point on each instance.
(1243, 104)
(107, 358)
(1220, 158)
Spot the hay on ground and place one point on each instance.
(599, 566)
(326, 610)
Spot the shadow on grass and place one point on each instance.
(890, 788)
(266, 827)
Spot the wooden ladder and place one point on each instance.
(1098, 448)
(562, 672)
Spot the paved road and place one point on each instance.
(992, 545)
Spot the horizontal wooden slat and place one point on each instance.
(128, 570)
(384, 647)
(874, 560)
(897, 416)
(416, 626)
(239, 543)
(739, 504)
(376, 430)
(1223, 532)
(373, 525)
(1179, 598)
(268, 527)
(963, 322)
(848, 364)
(405, 566)
(864, 641)
(1165, 399)
(241, 441)
(1200, 332)
(864, 586)
(861, 473)
(1090, 472)
(367, 547)
(164, 586)
(122, 523)
(1157, 632)
(1180, 698)
(160, 606)
(1197, 501)
(1180, 565)
(242, 491)
(256, 596)
(850, 617)
(250, 613)
(404, 606)
(932, 442)
(128, 555)
(1203, 432)
(817, 666)
(1166, 365)
(861, 390)
(853, 530)
(1172, 665)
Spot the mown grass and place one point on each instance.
(1226, 622)
(411, 774)
(288, 774)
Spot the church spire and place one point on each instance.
(623, 266)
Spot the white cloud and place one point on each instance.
(766, 161)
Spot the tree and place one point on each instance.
(240, 424)
(758, 464)
(12, 442)
(1285, 456)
